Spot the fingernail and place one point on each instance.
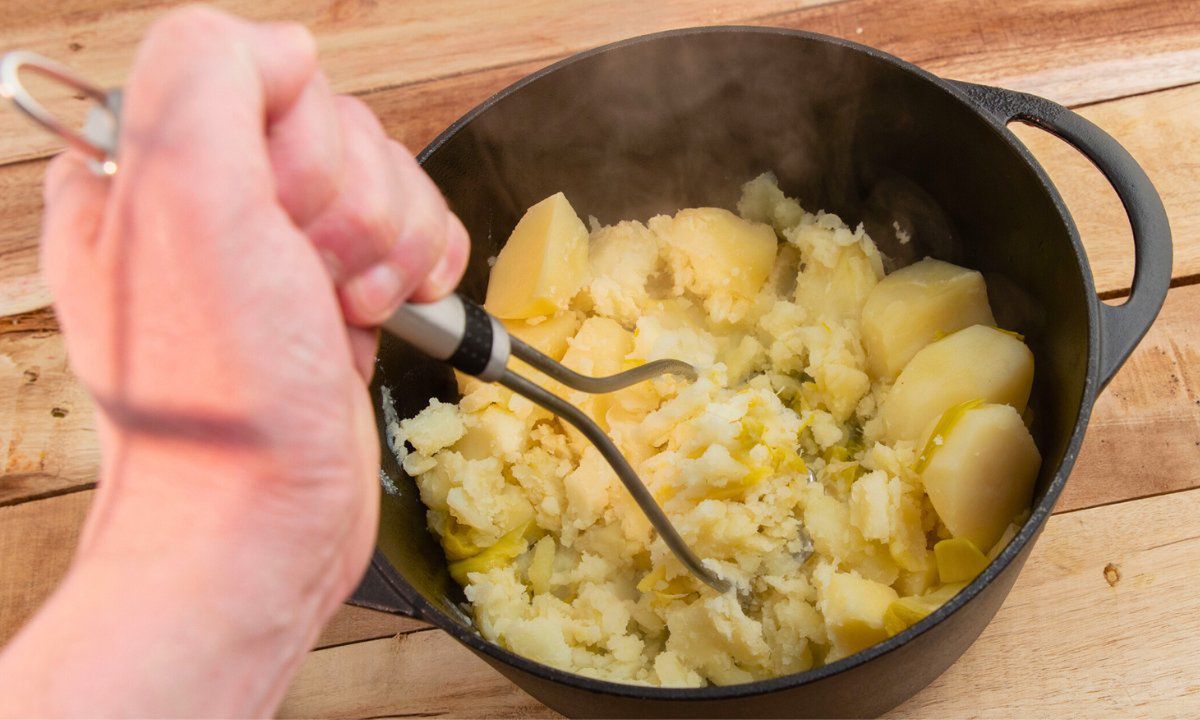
(445, 274)
(440, 283)
(375, 292)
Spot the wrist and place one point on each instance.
(191, 567)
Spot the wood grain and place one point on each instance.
(419, 674)
(363, 44)
(1072, 51)
(1065, 49)
(21, 288)
(354, 624)
(1063, 644)
(38, 539)
(1162, 132)
(1144, 435)
(49, 440)
(1158, 129)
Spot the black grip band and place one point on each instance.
(472, 354)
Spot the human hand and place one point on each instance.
(218, 299)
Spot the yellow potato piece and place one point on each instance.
(976, 363)
(494, 432)
(541, 567)
(725, 254)
(916, 305)
(457, 545)
(959, 560)
(508, 547)
(983, 473)
(599, 348)
(920, 579)
(854, 609)
(548, 337)
(908, 611)
(543, 264)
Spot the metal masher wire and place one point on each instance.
(453, 329)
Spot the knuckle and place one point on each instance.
(368, 218)
(357, 115)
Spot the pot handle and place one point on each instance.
(1121, 326)
(377, 592)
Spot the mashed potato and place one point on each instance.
(776, 465)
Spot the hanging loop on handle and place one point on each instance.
(98, 140)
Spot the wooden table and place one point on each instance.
(1105, 619)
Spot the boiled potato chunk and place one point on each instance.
(508, 547)
(982, 473)
(493, 432)
(916, 305)
(910, 610)
(599, 348)
(854, 609)
(959, 560)
(543, 264)
(977, 363)
(548, 337)
(719, 253)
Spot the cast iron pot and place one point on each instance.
(681, 119)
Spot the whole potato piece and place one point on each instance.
(854, 608)
(978, 363)
(543, 264)
(914, 306)
(981, 475)
(549, 337)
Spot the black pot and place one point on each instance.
(681, 119)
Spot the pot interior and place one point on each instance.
(683, 120)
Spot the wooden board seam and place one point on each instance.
(1138, 93)
(45, 495)
(1138, 498)
(380, 636)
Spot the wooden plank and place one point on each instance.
(21, 287)
(1144, 435)
(363, 44)
(38, 539)
(425, 674)
(1162, 131)
(1071, 51)
(354, 624)
(1046, 654)
(49, 440)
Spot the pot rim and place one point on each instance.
(1032, 526)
